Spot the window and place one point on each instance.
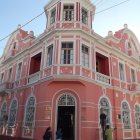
(15, 45)
(9, 74)
(121, 70)
(30, 113)
(2, 77)
(128, 46)
(84, 16)
(67, 53)
(137, 116)
(68, 13)
(49, 55)
(102, 64)
(105, 108)
(19, 71)
(126, 115)
(53, 14)
(13, 113)
(3, 115)
(66, 100)
(133, 78)
(35, 63)
(85, 56)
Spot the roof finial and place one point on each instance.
(31, 33)
(125, 26)
(110, 33)
(19, 26)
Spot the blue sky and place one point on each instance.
(16, 12)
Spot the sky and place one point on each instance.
(14, 12)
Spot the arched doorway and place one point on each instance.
(104, 108)
(66, 116)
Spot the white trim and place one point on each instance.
(67, 93)
(15, 108)
(136, 104)
(25, 107)
(125, 101)
(77, 125)
(99, 107)
(132, 68)
(17, 70)
(7, 77)
(124, 70)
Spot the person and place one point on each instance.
(48, 134)
(5, 123)
(59, 134)
(109, 132)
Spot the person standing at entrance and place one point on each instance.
(109, 133)
(59, 134)
(48, 134)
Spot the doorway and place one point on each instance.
(66, 116)
(66, 121)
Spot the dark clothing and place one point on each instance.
(59, 134)
(47, 135)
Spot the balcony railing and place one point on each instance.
(102, 78)
(5, 86)
(34, 78)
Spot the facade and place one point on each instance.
(68, 76)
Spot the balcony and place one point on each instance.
(104, 79)
(34, 78)
(5, 86)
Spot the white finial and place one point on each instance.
(110, 33)
(125, 26)
(31, 33)
(19, 26)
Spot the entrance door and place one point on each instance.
(66, 116)
(66, 121)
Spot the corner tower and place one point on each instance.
(69, 14)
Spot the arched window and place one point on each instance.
(2, 113)
(13, 113)
(126, 115)
(30, 112)
(105, 108)
(66, 100)
(137, 116)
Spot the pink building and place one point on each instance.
(68, 76)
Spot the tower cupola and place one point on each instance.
(69, 14)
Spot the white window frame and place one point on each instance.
(16, 108)
(134, 75)
(109, 108)
(53, 18)
(48, 56)
(73, 13)
(83, 54)
(9, 77)
(33, 124)
(137, 125)
(129, 113)
(18, 69)
(85, 19)
(2, 111)
(2, 77)
(124, 71)
(61, 56)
